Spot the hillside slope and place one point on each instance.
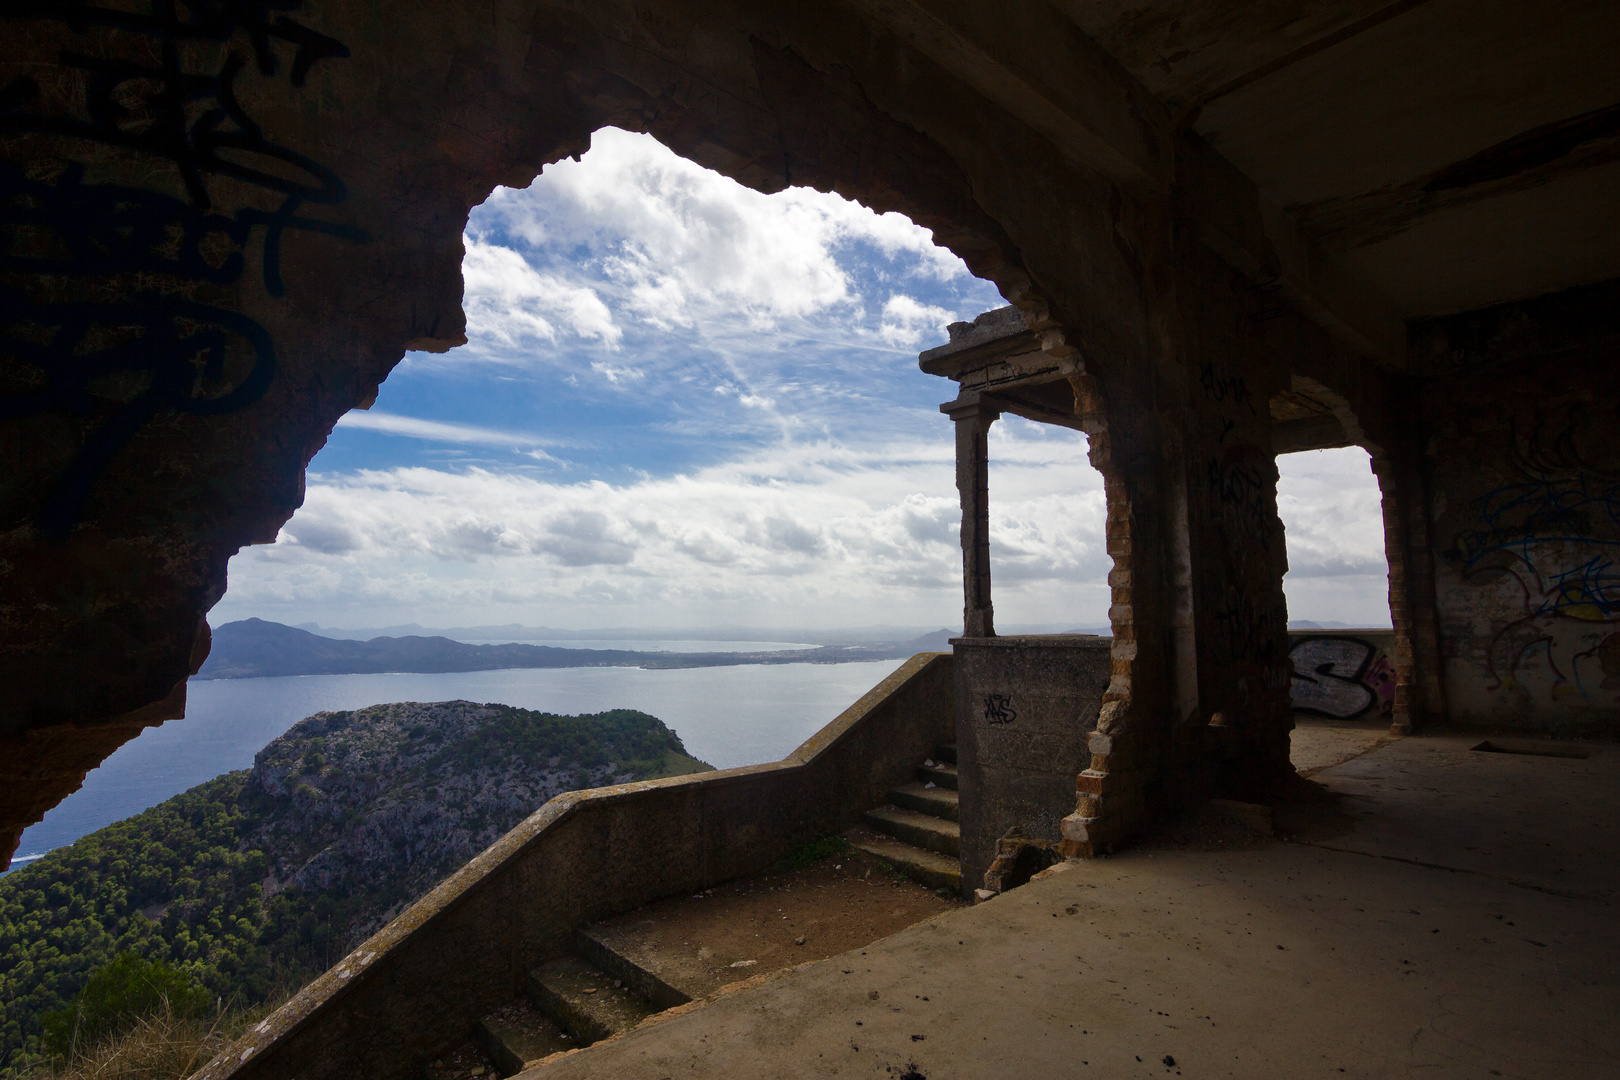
(258, 879)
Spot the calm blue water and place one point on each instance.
(726, 716)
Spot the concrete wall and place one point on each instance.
(1343, 674)
(1025, 709)
(418, 985)
(1525, 476)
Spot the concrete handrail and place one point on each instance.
(418, 985)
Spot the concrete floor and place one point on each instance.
(1450, 915)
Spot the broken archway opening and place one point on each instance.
(1027, 704)
(1348, 656)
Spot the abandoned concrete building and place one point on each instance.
(1225, 232)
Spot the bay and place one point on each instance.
(727, 716)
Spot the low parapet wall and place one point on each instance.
(418, 985)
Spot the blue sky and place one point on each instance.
(684, 403)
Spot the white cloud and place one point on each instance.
(676, 242)
(1331, 508)
(511, 303)
(439, 430)
(822, 534)
(906, 321)
(1332, 513)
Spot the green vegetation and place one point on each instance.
(117, 998)
(231, 893)
(635, 742)
(168, 886)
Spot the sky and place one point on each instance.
(684, 404)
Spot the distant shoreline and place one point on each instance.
(256, 648)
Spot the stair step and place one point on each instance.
(929, 867)
(586, 1001)
(936, 802)
(613, 950)
(923, 830)
(942, 773)
(945, 753)
(519, 1035)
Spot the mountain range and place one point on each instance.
(254, 648)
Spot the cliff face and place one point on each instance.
(256, 880)
(378, 804)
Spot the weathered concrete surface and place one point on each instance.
(1316, 744)
(1025, 710)
(1282, 960)
(1520, 405)
(697, 945)
(1547, 823)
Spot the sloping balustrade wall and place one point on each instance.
(417, 986)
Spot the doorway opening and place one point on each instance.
(1341, 639)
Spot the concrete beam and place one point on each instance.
(1039, 66)
(1254, 235)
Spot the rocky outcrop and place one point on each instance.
(376, 805)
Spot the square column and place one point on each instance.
(973, 419)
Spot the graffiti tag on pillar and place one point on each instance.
(998, 709)
(1341, 677)
(110, 294)
(1221, 389)
(1244, 488)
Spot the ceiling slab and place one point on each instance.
(1416, 94)
(1511, 247)
(1183, 50)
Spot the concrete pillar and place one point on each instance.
(973, 419)
(1419, 690)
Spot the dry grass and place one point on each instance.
(162, 1046)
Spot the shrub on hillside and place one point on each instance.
(118, 998)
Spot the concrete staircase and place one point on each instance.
(917, 831)
(613, 981)
(575, 1001)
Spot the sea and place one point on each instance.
(726, 716)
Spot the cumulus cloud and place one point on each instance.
(511, 303)
(825, 532)
(726, 368)
(673, 242)
(906, 321)
(1330, 506)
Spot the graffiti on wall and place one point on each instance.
(1547, 545)
(1341, 676)
(113, 297)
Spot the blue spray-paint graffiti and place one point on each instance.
(1551, 543)
(105, 288)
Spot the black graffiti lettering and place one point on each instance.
(125, 361)
(998, 709)
(1221, 389)
(182, 348)
(105, 229)
(199, 20)
(1244, 493)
